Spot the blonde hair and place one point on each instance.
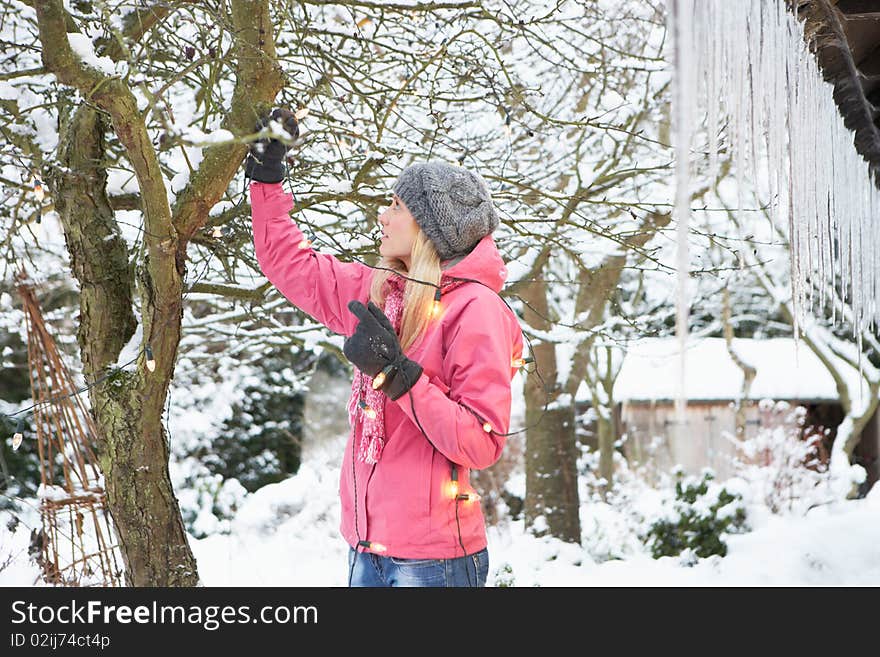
(418, 298)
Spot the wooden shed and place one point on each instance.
(647, 386)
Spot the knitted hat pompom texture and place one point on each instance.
(451, 205)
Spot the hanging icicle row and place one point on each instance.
(788, 146)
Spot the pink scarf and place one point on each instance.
(372, 438)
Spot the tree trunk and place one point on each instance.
(128, 404)
(551, 442)
(607, 437)
(134, 457)
(552, 504)
(606, 423)
(131, 445)
(749, 372)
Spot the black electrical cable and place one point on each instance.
(458, 524)
(440, 291)
(109, 374)
(465, 557)
(356, 530)
(146, 350)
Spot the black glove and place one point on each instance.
(265, 161)
(374, 349)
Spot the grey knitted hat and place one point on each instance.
(451, 205)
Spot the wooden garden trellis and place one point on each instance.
(76, 545)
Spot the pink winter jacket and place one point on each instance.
(404, 501)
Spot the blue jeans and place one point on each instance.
(368, 569)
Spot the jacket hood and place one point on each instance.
(484, 263)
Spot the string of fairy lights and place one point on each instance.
(38, 190)
(453, 488)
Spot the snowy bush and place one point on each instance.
(613, 520)
(696, 524)
(503, 577)
(234, 433)
(259, 443)
(781, 465)
(663, 514)
(208, 503)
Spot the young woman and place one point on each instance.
(434, 349)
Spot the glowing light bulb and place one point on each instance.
(468, 497)
(381, 376)
(373, 546)
(452, 489)
(19, 435)
(369, 412)
(217, 232)
(305, 243)
(487, 427)
(436, 308)
(151, 362)
(518, 362)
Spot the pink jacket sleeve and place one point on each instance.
(479, 367)
(316, 283)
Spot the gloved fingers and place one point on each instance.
(360, 311)
(348, 349)
(381, 317)
(262, 122)
(275, 149)
(357, 308)
(287, 119)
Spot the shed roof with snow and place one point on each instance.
(649, 371)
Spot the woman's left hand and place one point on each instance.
(374, 348)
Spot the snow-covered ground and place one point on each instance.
(286, 535)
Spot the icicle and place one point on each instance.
(681, 21)
(817, 214)
(714, 118)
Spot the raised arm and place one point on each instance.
(318, 284)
